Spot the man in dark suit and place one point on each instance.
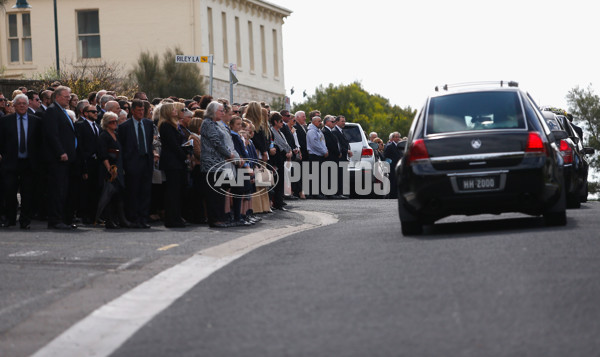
(301, 129)
(393, 153)
(61, 157)
(333, 148)
(345, 151)
(136, 136)
(45, 101)
(87, 135)
(19, 150)
(34, 101)
(301, 133)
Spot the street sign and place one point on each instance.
(191, 59)
(197, 59)
(233, 73)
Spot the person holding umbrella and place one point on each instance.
(111, 198)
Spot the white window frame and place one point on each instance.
(20, 39)
(80, 35)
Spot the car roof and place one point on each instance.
(473, 90)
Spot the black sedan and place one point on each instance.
(480, 150)
(574, 154)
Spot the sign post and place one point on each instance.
(232, 80)
(198, 59)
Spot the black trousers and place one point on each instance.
(175, 185)
(19, 180)
(62, 191)
(215, 199)
(278, 190)
(90, 191)
(138, 190)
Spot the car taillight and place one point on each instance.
(417, 151)
(535, 143)
(366, 152)
(566, 152)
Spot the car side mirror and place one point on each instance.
(589, 151)
(559, 135)
(374, 146)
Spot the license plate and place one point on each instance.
(478, 183)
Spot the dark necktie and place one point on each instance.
(141, 146)
(22, 143)
(95, 128)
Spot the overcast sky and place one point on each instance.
(402, 49)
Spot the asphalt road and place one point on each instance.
(471, 286)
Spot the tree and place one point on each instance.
(86, 76)
(182, 80)
(584, 105)
(371, 111)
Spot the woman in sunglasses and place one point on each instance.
(109, 150)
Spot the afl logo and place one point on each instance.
(476, 143)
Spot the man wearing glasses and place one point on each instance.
(34, 102)
(61, 156)
(88, 133)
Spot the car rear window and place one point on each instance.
(352, 133)
(475, 111)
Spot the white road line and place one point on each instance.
(107, 328)
(31, 253)
(128, 264)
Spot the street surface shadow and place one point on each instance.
(478, 227)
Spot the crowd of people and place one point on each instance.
(127, 162)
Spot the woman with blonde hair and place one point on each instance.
(172, 162)
(109, 150)
(262, 141)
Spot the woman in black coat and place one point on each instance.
(283, 153)
(172, 162)
(109, 154)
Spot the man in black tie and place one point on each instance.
(333, 148)
(61, 156)
(87, 134)
(345, 151)
(136, 136)
(19, 142)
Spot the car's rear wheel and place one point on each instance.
(555, 218)
(411, 228)
(411, 224)
(573, 200)
(557, 214)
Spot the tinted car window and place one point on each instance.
(352, 133)
(475, 111)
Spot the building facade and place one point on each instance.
(245, 32)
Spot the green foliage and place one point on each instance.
(371, 111)
(182, 80)
(87, 76)
(584, 105)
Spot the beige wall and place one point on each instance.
(132, 26)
